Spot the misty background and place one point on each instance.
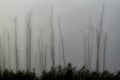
(74, 16)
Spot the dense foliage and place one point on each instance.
(59, 73)
(20, 75)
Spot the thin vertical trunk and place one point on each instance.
(85, 64)
(104, 54)
(8, 50)
(89, 35)
(16, 46)
(85, 48)
(52, 38)
(59, 53)
(4, 59)
(97, 59)
(28, 42)
(91, 47)
(40, 51)
(62, 41)
(99, 37)
(46, 57)
(42, 57)
(1, 54)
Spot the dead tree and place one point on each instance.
(59, 52)
(1, 53)
(62, 41)
(46, 57)
(99, 34)
(4, 59)
(43, 55)
(85, 52)
(52, 38)
(85, 49)
(91, 47)
(40, 55)
(28, 42)
(88, 55)
(104, 54)
(41, 59)
(85, 64)
(16, 46)
(8, 50)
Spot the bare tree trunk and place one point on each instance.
(40, 55)
(16, 46)
(4, 60)
(89, 35)
(62, 41)
(52, 37)
(99, 37)
(104, 54)
(8, 50)
(1, 54)
(85, 64)
(91, 47)
(41, 52)
(46, 57)
(59, 53)
(28, 42)
(85, 48)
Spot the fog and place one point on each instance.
(74, 24)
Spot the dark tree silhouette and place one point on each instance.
(28, 42)
(62, 41)
(4, 60)
(52, 37)
(8, 51)
(1, 53)
(46, 57)
(85, 52)
(104, 54)
(99, 34)
(88, 55)
(16, 46)
(40, 54)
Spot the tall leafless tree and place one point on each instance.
(85, 48)
(4, 59)
(8, 50)
(16, 46)
(99, 34)
(46, 57)
(91, 47)
(40, 54)
(1, 54)
(104, 54)
(59, 52)
(28, 42)
(85, 63)
(52, 37)
(89, 36)
(62, 41)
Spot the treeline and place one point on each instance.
(20, 75)
(58, 73)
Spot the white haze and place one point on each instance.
(74, 16)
